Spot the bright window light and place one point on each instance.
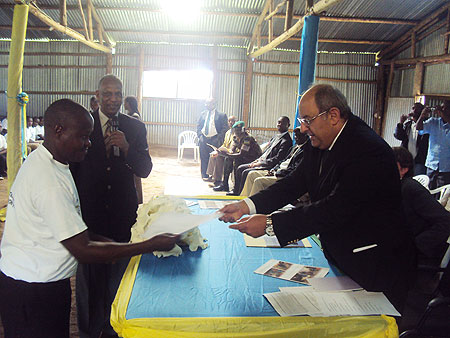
(182, 84)
(181, 10)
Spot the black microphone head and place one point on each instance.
(114, 123)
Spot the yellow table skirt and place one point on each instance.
(314, 327)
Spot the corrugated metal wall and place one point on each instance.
(272, 95)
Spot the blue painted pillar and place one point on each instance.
(308, 53)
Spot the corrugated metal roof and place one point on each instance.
(126, 20)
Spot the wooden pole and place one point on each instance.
(379, 105)
(446, 38)
(289, 14)
(84, 20)
(257, 29)
(109, 41)
(387, 96)
(89, 12)
(63, 12)
(318, 8)
(215, 72)
(140, 77)
(418, 79)
(109, 63)
(66, 30)
(247, 91)
(270, 22)
(274, 11)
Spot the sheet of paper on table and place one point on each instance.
(176, 223)
(293, 272)
(327, 304)
(210, 204)
(272, 242)
(339, 283)
(190, 203)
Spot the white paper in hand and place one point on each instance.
(176, 223)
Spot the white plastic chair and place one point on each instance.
(188, 139)
(422, 179)
(444, 196)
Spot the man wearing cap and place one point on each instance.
(245, 149)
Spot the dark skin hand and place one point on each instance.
(118, 139)
(87, 251)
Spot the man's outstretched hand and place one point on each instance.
(234, 211)
(254, 226)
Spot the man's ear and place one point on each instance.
(58, 130)
(97, 94)
(334, 115)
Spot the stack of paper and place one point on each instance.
(212, 204)
(326, 304)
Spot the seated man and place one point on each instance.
(244, 150)
(30, 135)
(276, 151)
(40, 129)
(258, 180)
(428, 220)
(216, 161)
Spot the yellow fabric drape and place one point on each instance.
(256, 327)
(15, 66)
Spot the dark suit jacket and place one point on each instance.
(355, 202)
(402, 133)
(106, 185)
(220, 123)
(278, 153)
(428, 220)
(296, 156)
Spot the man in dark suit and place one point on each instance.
(105, 183)
(353, 182)
(211, 128)
(416, 143)
(276, 151)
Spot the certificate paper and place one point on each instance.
(272, 242)
(293, 272)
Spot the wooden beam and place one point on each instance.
(447, 29)
(405, 37)
(66, 30)
(424, 59)
(379, 105)
(289, 14)
(140, 77)
(308, 6)
(257, 28)
(247, 90)
(387, 96)
(63, 13)
(274, 11)
(318, 8)
(418, 79)
(413, 44)
(86, 33)
(109, 63)
(109, 41)
(89, 11)
(270, 38)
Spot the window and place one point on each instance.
(180, 84)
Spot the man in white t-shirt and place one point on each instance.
(45, 235)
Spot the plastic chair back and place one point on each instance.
(422, 179)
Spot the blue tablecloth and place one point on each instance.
(216, 282)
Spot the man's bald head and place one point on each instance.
(109, 78)
(327, 96)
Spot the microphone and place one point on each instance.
(115, 127)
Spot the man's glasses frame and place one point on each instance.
(307, 122)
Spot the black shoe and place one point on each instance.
(221, 187)
(232, 193)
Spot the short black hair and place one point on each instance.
(327, 97)
(62, 111)
(285, 118)
(93, 98)
(405, 159)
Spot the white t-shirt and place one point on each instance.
(43, 210)
(31, 134)
(5, 123)
(3, 144)
(39, 130)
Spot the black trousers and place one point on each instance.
(2, 164)
(205, 150)
(34, 310)
(438, 179)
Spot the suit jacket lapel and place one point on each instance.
(98, 142)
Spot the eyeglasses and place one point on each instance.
(307, 122)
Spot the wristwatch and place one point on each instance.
(269, 226)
